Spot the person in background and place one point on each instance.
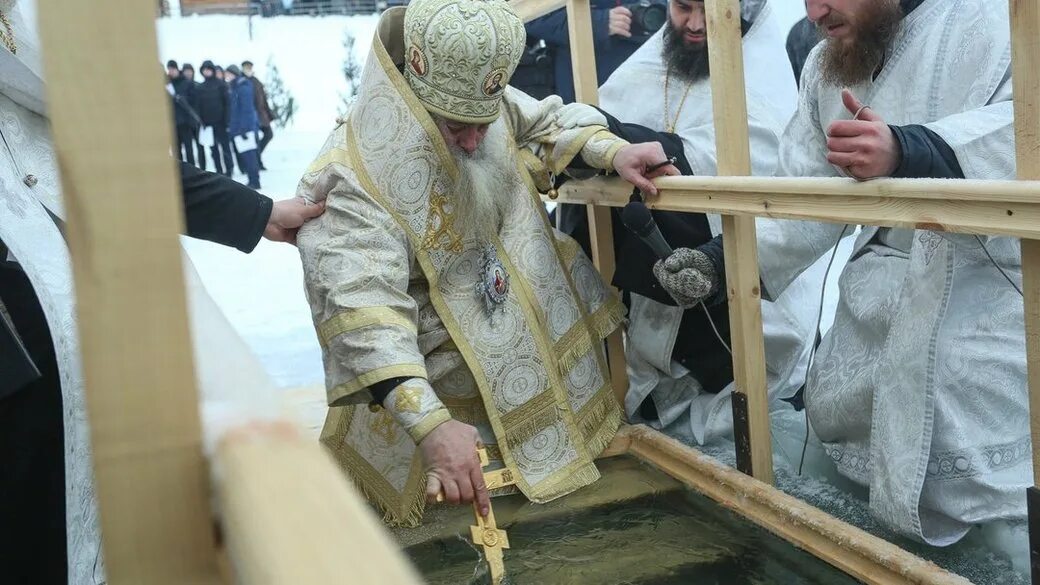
(263, 111)
(243, 123)
(804, 36)
(218, 72)
(173, 71)
(214, 110)
(611, 32)
(188, 73)
(185, 119)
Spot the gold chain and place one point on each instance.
(7, 36)
(669, 126)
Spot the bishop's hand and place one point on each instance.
(452, 465)
(633, 161)
(688, 276)
(865, 146)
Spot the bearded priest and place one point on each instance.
(449, 311)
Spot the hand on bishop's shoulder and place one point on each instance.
(688, 276)
(452, 465)
(288, 216)
(633, 160)
(864, 147)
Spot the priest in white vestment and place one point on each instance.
(449, 312)
(919, 389)
(675, 361)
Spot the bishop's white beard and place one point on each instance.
(484, 191)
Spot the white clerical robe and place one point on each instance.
(919, 389)
(634, 94)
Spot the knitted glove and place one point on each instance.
(688, 276)
(579, 115)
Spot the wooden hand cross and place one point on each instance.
(486, 533)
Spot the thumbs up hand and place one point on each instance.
(865, 146)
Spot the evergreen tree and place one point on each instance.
(283, 104)
(351, 72)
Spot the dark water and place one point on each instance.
(666, 535)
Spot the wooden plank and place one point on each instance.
(1025, 51)
(726, 59)
(529, 10)
(616, 191)
(601, 232)
(291, 516)
(898, 203)
(866, 557)
(124, 216)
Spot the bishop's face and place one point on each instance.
(859, 33)
(466, 137)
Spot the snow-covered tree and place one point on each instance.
(283, 104)
(351, 72)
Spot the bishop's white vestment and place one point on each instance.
(391, 280)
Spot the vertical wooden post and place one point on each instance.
(1025, 51)
(601, 232)
(750, 400)
(110, 119)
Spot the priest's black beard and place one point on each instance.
(689, 63)
(851, 62)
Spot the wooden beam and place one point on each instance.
(601, 229)
(291, 516)
(529, 10)
(124, 216)
(978, 207)
(1025, 53)
(750, 400)
(1025, 50)
(865, 557)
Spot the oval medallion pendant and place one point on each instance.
(494, 280)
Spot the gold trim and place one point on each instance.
(427, 424)
(420, 112)
(404, 508)
(558, 163)
(353, 319)
(529, 418)
(365, 380)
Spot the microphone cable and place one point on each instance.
(812, 352)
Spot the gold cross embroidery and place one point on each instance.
(384, 426)
(440, 226)
(408, 399)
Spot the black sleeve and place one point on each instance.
(222, 210)
(713, 250)
(634, 133)
(380, 390)
(925, 155)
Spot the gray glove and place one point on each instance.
(688, 276)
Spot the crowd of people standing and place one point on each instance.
(227, 112)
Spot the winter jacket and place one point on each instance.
(611, 51)
(212, 99)
(184, 111)
(243, 117)
(263, 110)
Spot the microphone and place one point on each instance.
(637, 218)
